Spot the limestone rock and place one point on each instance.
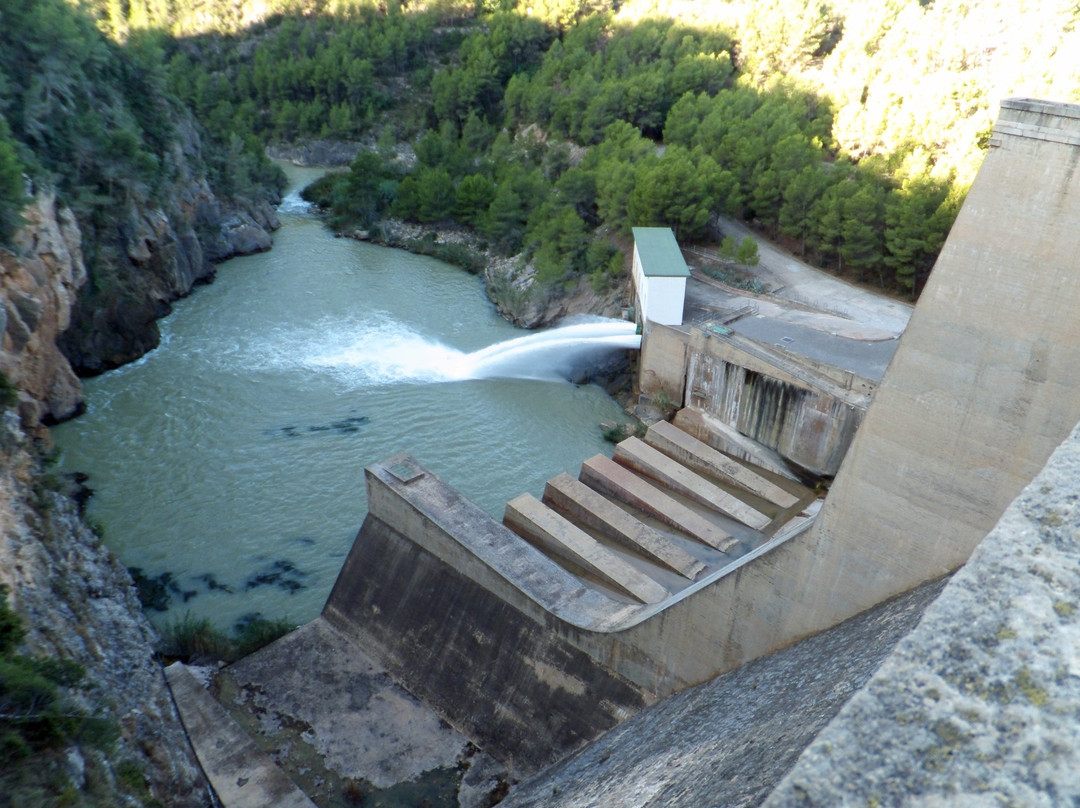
(163, 253)
(78, 603)
(511, 287)
(39, 282)
(318, 152)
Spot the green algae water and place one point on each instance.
(228, 463)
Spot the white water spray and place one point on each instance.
(294, 203)
(390, 352)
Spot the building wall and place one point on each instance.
(659, 298)
(641, 290)
(666, 295)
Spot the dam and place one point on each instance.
(701, 545)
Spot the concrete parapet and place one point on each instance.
(978, 704)
(584, 506)
(605, 475)
(642, 458)
(534, 521)
(1035, 120)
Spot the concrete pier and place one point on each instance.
(605, 475)
(639, 456)
(530, 518)
(583, 505)
(698, 455)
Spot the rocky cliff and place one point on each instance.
(78, 604)
(83, 294)
(39, 283)
(151, 251)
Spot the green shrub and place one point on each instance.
(192, 636)
(9, 395)
(35, 713)
(258, 632)
(614, 434)
(12, 631)
(459, 255)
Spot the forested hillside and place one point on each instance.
(848, 130)
(91, 120)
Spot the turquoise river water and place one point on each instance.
(230, 460)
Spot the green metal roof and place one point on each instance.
(660, 253)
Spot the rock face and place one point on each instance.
(318, 152)
(509, 281)
(510, 286)
(79, 604)
(151, 253)
(39, 283)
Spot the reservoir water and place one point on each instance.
(228, 463)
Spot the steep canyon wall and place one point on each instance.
(74, 300)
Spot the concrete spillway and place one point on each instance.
(583, 619)
(566, 609)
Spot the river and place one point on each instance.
(228, 463)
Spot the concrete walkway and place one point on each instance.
(241, 774)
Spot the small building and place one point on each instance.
(660, 275)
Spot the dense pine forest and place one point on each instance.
(848, 130)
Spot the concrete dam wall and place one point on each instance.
(806, 412)
(984, 383)
(535, 641)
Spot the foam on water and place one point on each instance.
(293, 203)
(387, 352)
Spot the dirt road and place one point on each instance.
(799, 282)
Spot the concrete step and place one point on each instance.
(603, 474)
(584, 506)
(531, 519)
(242, 775)
(699, 456)
(639, 456)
